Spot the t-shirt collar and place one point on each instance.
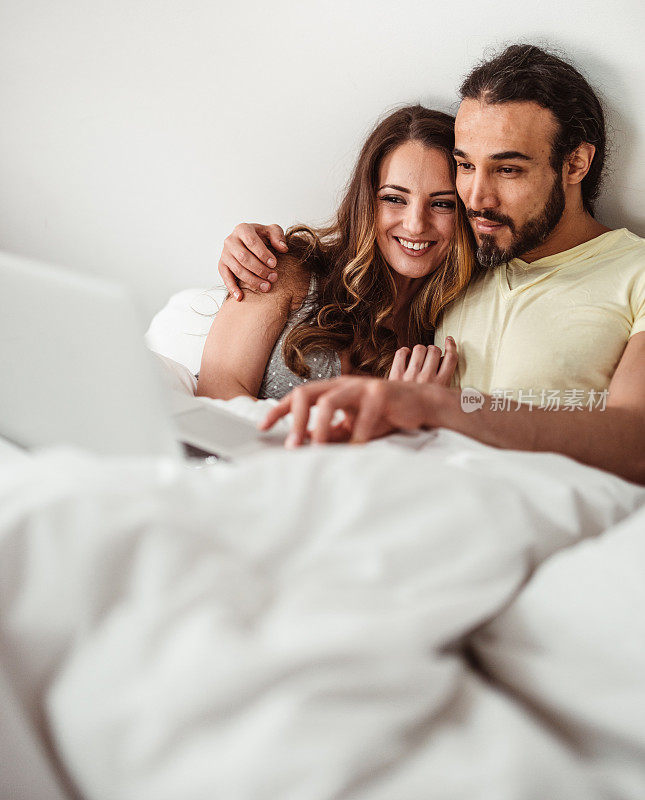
(578, 253)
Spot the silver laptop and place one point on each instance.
(74, 370)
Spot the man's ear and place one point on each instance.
(578, 163)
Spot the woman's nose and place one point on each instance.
(415, 221)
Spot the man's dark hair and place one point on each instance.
(526, 73)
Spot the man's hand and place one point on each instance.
(372, 406)
(611, 438)
(425, 364)
(246, 257)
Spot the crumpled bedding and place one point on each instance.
(292, 625)
(572, 648)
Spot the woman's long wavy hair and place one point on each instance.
(356, 293)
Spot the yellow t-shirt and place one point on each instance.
(559, 323)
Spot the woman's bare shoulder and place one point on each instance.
(291, 285)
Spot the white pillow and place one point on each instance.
(179, 330)
(175, 376)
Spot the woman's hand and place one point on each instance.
(246, 257)
(425, 364)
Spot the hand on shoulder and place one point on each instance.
(246, 257)
(293, 281)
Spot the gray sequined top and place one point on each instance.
(278, 379)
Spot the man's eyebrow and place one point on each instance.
(407, 191)
(512, 154)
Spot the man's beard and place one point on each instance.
(532, 234)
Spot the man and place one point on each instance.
(553, 333)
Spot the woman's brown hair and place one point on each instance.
(356, 293)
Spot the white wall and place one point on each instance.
(134, 134)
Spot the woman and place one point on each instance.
(356, 296)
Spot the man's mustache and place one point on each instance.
(491, 216)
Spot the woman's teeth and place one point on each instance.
(413, 245)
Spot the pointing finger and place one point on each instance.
(370, 413)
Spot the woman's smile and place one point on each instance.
(414, 247)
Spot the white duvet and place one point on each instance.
(292, 626)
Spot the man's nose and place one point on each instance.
(482, 194)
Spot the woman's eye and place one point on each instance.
(391, 198)
(444, 205)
